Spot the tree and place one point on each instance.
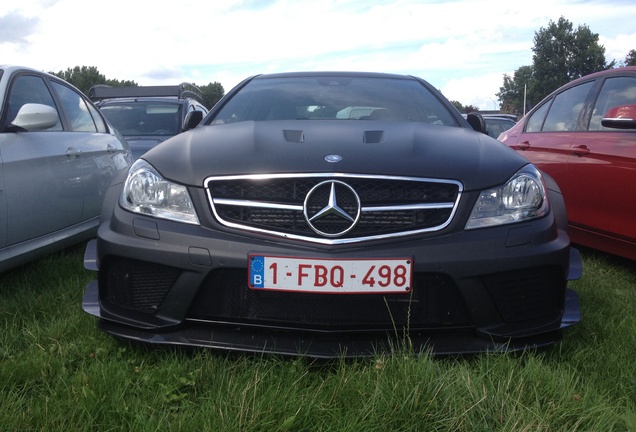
(458, 105)
(464, 109)
(85, 77)
(212, 93)
(630, 60)
(562, 54)
(82, 77)
(514, 92)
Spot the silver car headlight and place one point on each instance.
(147, 192)
(522, 198)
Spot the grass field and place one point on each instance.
(58, 372)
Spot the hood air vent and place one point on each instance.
(296, 136)
(373, 137)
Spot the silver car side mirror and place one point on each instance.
(35, 117)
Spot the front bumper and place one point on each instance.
(508, 287)
(327, 346)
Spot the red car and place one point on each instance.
(584, 136)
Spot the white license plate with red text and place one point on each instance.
(336, 276)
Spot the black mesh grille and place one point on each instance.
(224, 296)
(372, 191)
(135, 285)
(527, 294)
(229, 198)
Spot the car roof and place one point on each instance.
(9, 68)
(595, 75)
(603, 73)
(182, 91)
(332, 74)
(493, 116)
(511, 117)
(167, 99)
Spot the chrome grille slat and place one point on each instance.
(390, 206)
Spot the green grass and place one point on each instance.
(58, 372)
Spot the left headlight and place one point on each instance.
(147, 192)
(522, 198)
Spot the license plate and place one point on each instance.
(336, 276)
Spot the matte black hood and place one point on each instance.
(299, 146)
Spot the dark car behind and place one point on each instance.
(148, 115)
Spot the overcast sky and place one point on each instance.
(462, 47)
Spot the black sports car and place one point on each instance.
(334, 214)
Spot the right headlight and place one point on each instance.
(147, 192)
(522, 198)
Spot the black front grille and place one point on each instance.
(135, 285)
(225, 297)
(389, 206)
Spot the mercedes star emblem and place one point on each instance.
(332, 208)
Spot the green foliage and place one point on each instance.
(85, 77)
(59, 372)
(121, 83)
(457, 105)
(561, 54)
(515, 91)
(464, 109)
(630, 60)
(212, 93)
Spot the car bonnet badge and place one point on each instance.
(332, 208)
(333, 158)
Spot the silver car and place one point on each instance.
(58, 155)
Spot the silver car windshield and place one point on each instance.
(335, 98)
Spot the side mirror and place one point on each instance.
(192, 119)
(35, 117)
(620, 117)
(477, 122)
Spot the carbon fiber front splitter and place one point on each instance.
(326, 345)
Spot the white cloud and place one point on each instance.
(462, 47)
(618, 47)
(481, 89)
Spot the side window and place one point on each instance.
(29, 89)
(99, 121)
(565, 110)
(535, 122)
(76, 109)
(615, 92)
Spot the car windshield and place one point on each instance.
(143, 118)
(496, 126)
(335, 98)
